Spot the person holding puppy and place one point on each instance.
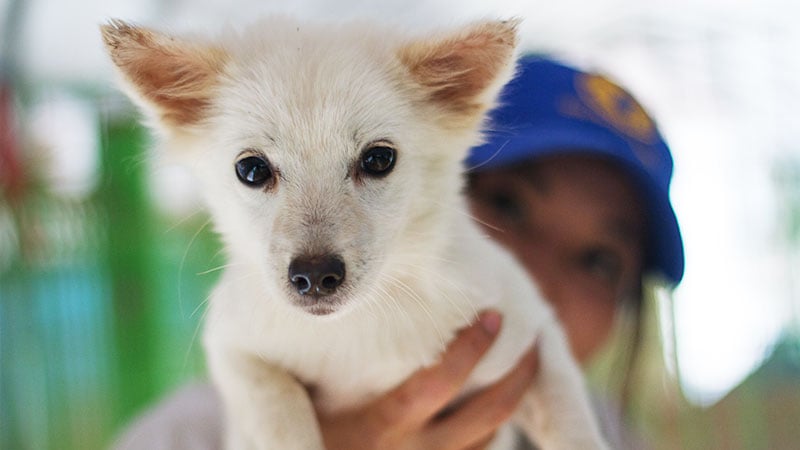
(573, 180)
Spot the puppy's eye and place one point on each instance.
(378, 161)
(254, 171)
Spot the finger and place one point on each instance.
(427, 391)
(478, 418)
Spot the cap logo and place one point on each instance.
(615, 107)
(602, 102)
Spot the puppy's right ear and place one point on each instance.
(462, 72)
(172, 79)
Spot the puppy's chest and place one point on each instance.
(349, 382)
(357, 361)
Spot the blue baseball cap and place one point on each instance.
(551, 109)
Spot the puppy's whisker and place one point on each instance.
(197, 328)
(387, 302)
(422, 256)
(200, 306)
(446, 294)
(370, 295)
(183, 220)
(217, 269)
(471, 216)
(183, 263)
(487, 161)
(394, 303)
(422, 236)
(415, 297)
(370, 305)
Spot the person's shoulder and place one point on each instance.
(188, 419)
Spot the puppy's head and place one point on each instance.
(330, 156)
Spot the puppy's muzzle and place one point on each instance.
(317, 276)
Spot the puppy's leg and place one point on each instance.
(556, 412)
(265, 407)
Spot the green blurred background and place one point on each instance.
(100, 303)
(106, 258)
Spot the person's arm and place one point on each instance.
(410, 416)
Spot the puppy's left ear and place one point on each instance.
(172, 79)
(462, 73)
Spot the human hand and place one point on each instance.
(411, 417)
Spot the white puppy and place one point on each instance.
(331, 159)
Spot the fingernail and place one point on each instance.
(490, 321)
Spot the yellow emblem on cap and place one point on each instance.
(616, 107)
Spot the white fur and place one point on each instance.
(310, 98)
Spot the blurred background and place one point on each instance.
(106, 258)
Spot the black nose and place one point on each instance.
(317, 276)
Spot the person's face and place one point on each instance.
(577, 226)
